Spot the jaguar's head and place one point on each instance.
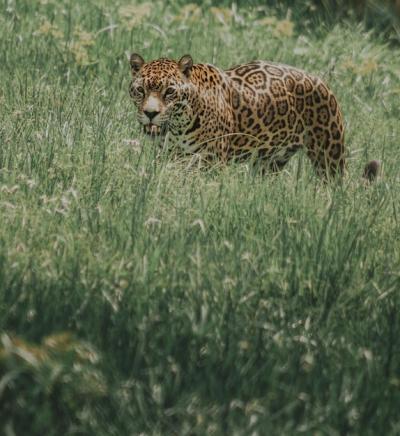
(160, 90)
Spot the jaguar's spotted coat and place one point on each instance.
(259, 109)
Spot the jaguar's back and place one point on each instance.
(285, 109)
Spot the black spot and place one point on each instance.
(333, 104)
(244, 69)
(300, 89)
(300, 127)
(308, 85)
(323, 115)
(256, 128)
(264, 153)
(257, 78)
(278, 125)
(299, 105)
(323, 91)
(283, 135)
(269, 117)
(336, 150)
(335, 131)
(298, 75)
(235, 99)
(282, 107)
(322, 136)
(196, 125)
(308, 117)
(274, 71)
(317, 98)
(292, 119)
(289, 82)
(277, 88)
(250, 90)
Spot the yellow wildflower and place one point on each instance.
(47, 28)
(267, 21)
(86, 39)
(279, 27)
(284, 28)
(368, 66)
(348, 64)
(126, 12)
(244, 345)
(223, 15)
(189, 13)
(133, 15)
(56, 33)
(80, 53)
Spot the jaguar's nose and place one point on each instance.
(151, 114)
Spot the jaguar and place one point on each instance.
(262, 110)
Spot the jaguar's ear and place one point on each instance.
(136, 62)
(185, 65)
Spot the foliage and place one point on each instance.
(48, 389)
(220, 301)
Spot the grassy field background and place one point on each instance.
(139, 295)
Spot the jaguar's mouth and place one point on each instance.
(152, 130)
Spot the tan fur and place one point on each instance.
(261, 109)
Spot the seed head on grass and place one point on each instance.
(190, 13)
(48, 28)
(133, 15)
(85, 39)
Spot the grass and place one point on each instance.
(197, 302)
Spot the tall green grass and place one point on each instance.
(219, 301)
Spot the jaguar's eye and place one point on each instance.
(140, 90)
(169, 91)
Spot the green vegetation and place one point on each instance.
(141, 295)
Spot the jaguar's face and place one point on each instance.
(159, 90)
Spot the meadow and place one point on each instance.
(141, 295)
